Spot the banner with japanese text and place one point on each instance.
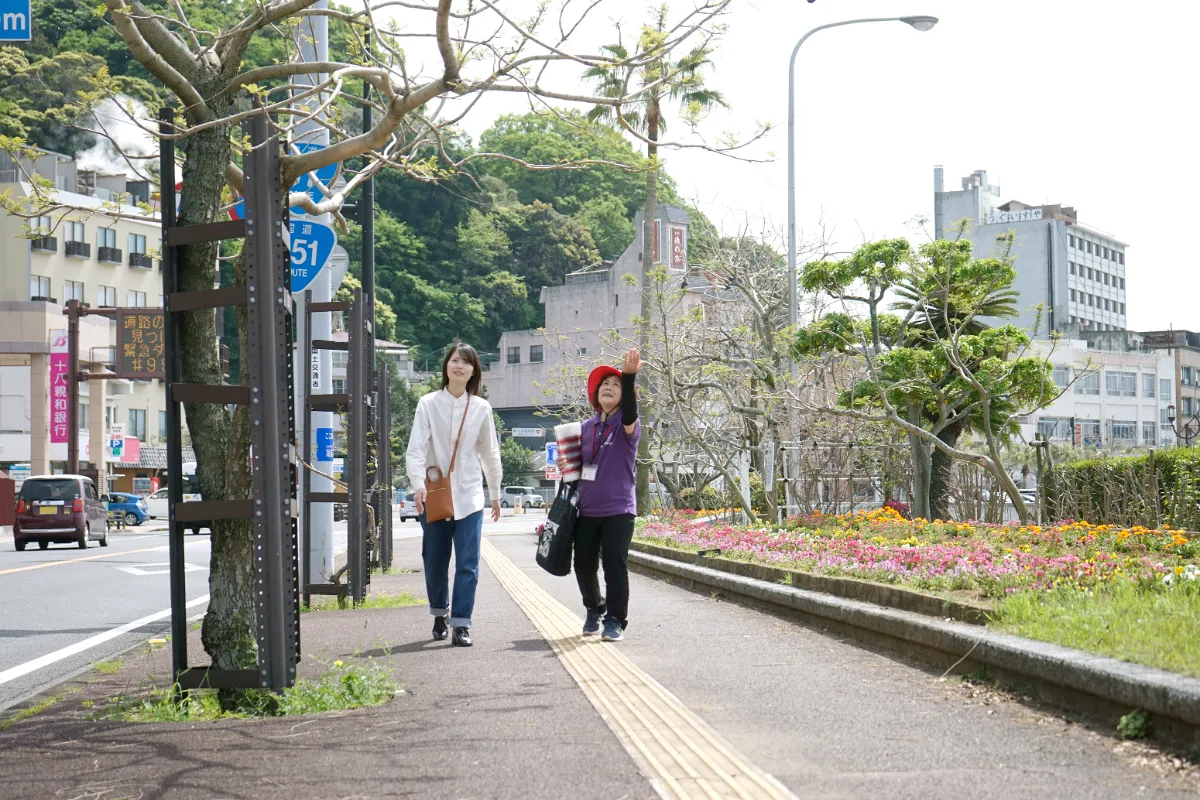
(58, 387)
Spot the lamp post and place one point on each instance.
(917, 23)
(1190, 429)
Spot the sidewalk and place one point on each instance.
(516, 716)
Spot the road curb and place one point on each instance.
(1094, 685)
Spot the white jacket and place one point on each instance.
(432, 441)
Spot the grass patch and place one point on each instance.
(402, 600)
(343, 686)
(30, 711)
(109, 667)
(1146, 625)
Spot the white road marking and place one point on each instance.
(100, 638)
(139, 570)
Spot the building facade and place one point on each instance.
(82, 254)
(1114, 398)
(1070, 276)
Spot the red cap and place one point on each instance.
(596, 378)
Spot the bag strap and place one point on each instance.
(467, 410)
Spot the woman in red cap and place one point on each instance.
(607, 497)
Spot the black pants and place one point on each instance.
(607, 539)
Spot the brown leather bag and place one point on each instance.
(439, 502)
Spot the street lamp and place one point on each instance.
(1190, 429)
(921, 23)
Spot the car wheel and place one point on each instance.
(19, 545)
(86, 539)
(43, 545)
(504, 504)
(104, 538)
(131, 519)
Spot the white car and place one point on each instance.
(160, 509)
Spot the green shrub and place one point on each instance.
(709, 498)
(1126, 491)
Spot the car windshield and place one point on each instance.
(60, 489)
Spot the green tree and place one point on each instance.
(611, 228)
(516, 461)
(661, 80)
(385, 318)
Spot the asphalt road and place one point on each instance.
(64, 609)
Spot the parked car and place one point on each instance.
(526, 494)
(340, 512)
(130, 506)
(158, 506)
(60, 509)
(408, 506)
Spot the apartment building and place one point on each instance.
(1070, 276)
(79, 254)
(1182, 347)
(1116, 397)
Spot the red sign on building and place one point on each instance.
(677, 252)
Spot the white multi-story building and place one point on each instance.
(83, 255)
(1114, 400)
(1070, 276)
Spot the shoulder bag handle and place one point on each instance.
(454, 454)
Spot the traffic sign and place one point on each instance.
(16, 20)
(311, 245)
(552, 473)
(304, 184)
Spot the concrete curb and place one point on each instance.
(1168, 696)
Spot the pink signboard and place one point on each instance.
(58, 387)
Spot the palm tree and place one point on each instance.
(660, 80)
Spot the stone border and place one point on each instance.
(1094, 685)
(852, 588)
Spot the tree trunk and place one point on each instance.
(941, 466)
(920, 466)
(221, 441)
(642, 481)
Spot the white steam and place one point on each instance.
(117, 133)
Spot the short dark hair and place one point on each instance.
(468, 354)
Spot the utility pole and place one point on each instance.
(314, 46)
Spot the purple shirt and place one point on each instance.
(614, 452)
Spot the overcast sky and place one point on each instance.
(1081, 102)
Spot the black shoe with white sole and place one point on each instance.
(462, 637)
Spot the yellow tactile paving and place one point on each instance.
(681, 755)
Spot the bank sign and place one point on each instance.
(16, 20)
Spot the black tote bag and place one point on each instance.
(558, 534)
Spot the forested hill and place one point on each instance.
(461, 258)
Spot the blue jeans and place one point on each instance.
(439, 538)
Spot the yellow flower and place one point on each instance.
(339, 663)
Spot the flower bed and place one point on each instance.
(993, 560)
(1066, 583)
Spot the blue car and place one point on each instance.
(133, 507)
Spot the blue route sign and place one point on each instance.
(16, 20)
(312, 244)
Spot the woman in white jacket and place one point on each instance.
(440, 416)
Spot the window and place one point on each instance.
(1062, 376)
(74, 232)
(514, 355)
(106, 237)
(1148, 385)
(1121, 258)
(162, 426)
(1089, 248)
(85, 413)
(1089, 430)
(1120, 384)
(536, 354)
(1122, 281)
(1071, 239)
(1185, 406)
(1124, 431)
(1106, 279)
(1148, 433)
(1090, 300)
(1072, 295)
(136, 299)
(1164, 388)
(72, 290)
(1106, 308)
(1055, 428)
(1185, 376)
(137, 243)
(137, 423)
(1071, 267)
(1105, 252)
(39, 287)
(106, 297)
(583, 351)
(339, 385)
(1088, 383)
(41, 225)
(1122, 309)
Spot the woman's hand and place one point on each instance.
(495, 511)
(561, 461)
(633, 362)
(419, 499)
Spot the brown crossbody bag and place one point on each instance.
(439, 502)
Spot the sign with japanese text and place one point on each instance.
(140, 343)
(324, 444)
(552, 473)
(311, 245)
(677, 251)
(529, 433)
(59, 388)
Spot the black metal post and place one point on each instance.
(384, 437)
(356, 386)
(174, 374)
(307, 458)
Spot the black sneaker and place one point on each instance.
(462, 637)
(440, 631)
(591, 626)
